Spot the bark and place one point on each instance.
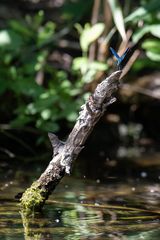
(64, 153)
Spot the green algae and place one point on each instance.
(33, 199)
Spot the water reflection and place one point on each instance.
(81, 209)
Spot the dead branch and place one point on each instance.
(64, 153)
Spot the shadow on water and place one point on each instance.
(83, 209)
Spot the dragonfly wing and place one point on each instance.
(124, 54)
(114, 53)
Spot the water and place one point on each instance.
(80, 209)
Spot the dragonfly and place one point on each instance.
(121, 59)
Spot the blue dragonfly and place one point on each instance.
(121, 59)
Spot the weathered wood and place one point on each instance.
(64, 153)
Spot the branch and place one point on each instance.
(64, 153)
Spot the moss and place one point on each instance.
(33, 199)
(29, 232)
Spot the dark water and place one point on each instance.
(83, 209)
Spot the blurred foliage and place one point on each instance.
(145, 22)
(36, 93)
(25, 100)
(87, 68)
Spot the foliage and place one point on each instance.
(24, 56)
(145, 21)
(35, 92)
(87, 68)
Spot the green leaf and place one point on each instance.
(37, 19)
(118, 17)
(31, 109)
(20, 28)
(88, 69)
(151, 44)
(90, 34)
(98, 66)
(71, 117)
(46, 32)
(80, 63)
(152, 6)
(46, 114)
(153, 29)
(153, 56)
(144, 64)
(4, 38)
(136, 15)
(10, 39)
(152, 48)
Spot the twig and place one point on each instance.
(94, 19)
(140, 90)
(130, 63)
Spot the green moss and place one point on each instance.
(33, 199)
(29, 233)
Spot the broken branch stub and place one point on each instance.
(64, 153)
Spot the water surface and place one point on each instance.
(83, 209)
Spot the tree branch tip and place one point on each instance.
(52, 136)
(116, 74)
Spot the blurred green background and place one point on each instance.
(52, 55)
